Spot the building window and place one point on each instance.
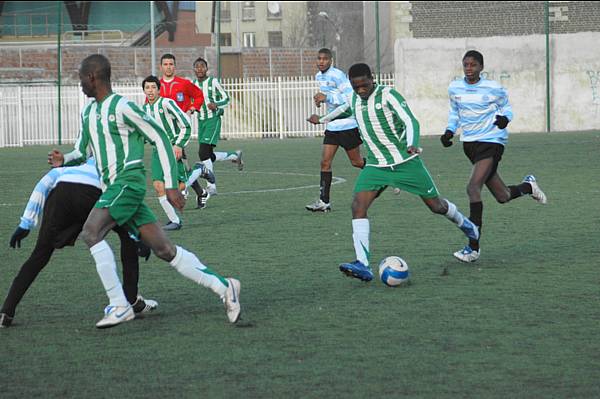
(225, 11)
(248, 39)
(273, 10)
(275, 39)
(248, 11)
(225, 39)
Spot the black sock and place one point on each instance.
(476, 217)
(519, 190)
(325, 186)
(197, 188)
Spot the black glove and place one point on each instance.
(446, 138)
(143, 251)
(18, 235)
(501, 121)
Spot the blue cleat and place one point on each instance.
(357, 270)
(470, 229)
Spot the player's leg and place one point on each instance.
(207, 157)
(188, 265)
(327, 154)
(159, 186)
(504, 194)
(350, 140)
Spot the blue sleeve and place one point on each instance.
(504, 107)
(453, 118)
(37, 199)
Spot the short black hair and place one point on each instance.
(474, 54)
(200, 59)
(97, 64)
(359, 70)
(151, 79)
(168, 56)
(326, 51)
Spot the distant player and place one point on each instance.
(334, 87)
(66, 196)
(209, 120)
(177, 126)
(391, 135)
(115, 130)
(189, 98)
(480, 107)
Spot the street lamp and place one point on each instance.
(338, 31)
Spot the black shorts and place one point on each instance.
(478, 150)
(348, 139)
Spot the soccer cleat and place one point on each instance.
(200, 170)
(201, 200)
(319, 206)
(172, 226)
(212, 189)
(114, 315)
(238, 160)
(536, 193)
(358, 270)
(470, 229)
(5, 320)
(467, 254)
(142, 305)
(231, 299)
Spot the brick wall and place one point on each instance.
(436, 19)
(134, 64)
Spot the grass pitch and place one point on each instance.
(521, 322)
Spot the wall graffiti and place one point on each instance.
(595, 86)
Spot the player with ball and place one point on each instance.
(390, 133)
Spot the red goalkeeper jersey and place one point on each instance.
(183, 92)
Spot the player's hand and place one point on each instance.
(56, 158)
(314, 119)
(143, 250)
(178, 152)
(446, 138)
(18, 235)
(211, 106)
(319, 98)
(501, 121)
(413, 150)
(175, 198)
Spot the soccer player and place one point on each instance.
(177, 126)
(115, 130)
(480, 107)
(66, 197)
(334, 88)
(209, 121)
(391, 134)
(189, 98)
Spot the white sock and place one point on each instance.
(454, 214)
(209, 164)
(169, 210)
(226, 156)
(360, 235)
(187, 264)
(107, 270)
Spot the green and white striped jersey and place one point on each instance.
(213, 93)
(115, 129)
(172, 119)
(387, 126)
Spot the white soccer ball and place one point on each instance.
(393, 271)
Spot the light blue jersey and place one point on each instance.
(336, 86)
(82, 174)
(473, 107)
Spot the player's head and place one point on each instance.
(151, 86)
(94, 71)
(472, 65)
(200, 67)
(324, 59)
(361, 80)
(167, 65)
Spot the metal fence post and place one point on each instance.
(21, 115)
(280, 106)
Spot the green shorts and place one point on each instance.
(209, 130)
(157, 172)
(125, 201)
(411, 176)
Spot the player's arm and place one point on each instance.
(341, 112)
(183, 123)
(505, 114)
(195, 94)
(453, 121)
(222, 96)
(398, 105)
(344, 91)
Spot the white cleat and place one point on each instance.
(319, 206)
(536, 193)
(467, 254)
(114, 315)
(142, 305)
(232, 300)
(238, 161)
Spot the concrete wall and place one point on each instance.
(425, 67)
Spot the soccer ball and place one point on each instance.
(393, 271)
